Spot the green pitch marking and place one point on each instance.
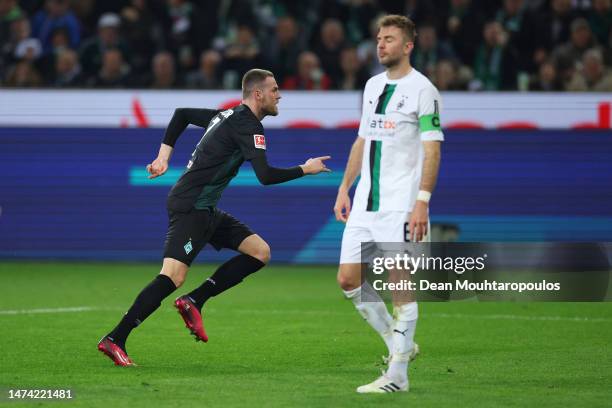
(246, 178)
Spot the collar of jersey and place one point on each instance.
(396, 81)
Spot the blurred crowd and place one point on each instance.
(489, 45)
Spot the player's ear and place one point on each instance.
(408, 46)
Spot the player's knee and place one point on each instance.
(348, 281)
(262, 252)
(175, 270)
(178, 280)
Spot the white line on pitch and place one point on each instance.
(48, 310)
(324, 312)
(519, 317)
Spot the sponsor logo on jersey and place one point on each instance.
(227, 113)
(383, 124)
(260, 141)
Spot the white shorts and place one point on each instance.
(373, 227)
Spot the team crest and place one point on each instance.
(188, 247)
(400, 104)
(260, 141)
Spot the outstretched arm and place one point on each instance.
(273, 175)
(182, 118)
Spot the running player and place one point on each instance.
(231, 137)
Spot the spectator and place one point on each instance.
(23, 75)
(56, 14)
(114, 72)
(285, 48)
(207, 76)
(446, 76)
(494, 67)
(429, 51)
(355, 16)
(520, 26)
(19, 31)
(354, 76)
(594, 76)
(581, 40)
(29, 49)
(241, 54)
(141, 33)
(9, 12)
(164, 72)
(107, 38)
(309, 74)
(85, 11)
(600, 20)
(188, 30)
(330, 45)
(67, 70)
(553, 27)
(547, 79)
(368, 53)
(60, 41)
(464, 28)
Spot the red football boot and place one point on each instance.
(192, 317)
(114, 352)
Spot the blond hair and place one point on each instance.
(402, 22)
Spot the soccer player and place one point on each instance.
(231, 137)
(397, 153)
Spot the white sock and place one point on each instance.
(403, 340)
(373, 309)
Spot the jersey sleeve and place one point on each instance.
(252, 142)
(430, 104)
(363, 123)
(267, 174)
(182, 118)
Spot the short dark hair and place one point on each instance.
(402, 22)
(253, 78)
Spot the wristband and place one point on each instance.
(424, 196)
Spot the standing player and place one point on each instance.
(232, 136)
(398, 152)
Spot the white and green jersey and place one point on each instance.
(397, 116)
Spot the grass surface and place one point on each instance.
(285, 337)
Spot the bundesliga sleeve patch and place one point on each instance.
(260, 141)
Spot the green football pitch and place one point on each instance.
(286, 337)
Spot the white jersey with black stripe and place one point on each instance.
(397, 116)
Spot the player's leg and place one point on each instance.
(405, 307)
(391, 227)
(254, 255)
(185, 238)
(149, 299)
(365, 299)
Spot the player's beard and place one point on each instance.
(391, 62)
(271, 110)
